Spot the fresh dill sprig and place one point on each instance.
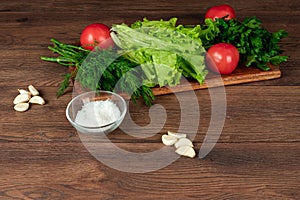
(100, 69)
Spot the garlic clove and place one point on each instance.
(37, 100)
(33, 90)
(168, 140)
(21, 98)
(183, 142)
(21, 107)
(186, 151)
(22, 91)
(177, 135)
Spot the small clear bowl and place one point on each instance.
(77, 103)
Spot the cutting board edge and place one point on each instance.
(226, 80)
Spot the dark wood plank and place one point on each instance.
(232, 171)
(42, 157)
(273, 116)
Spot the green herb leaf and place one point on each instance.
(64, 85)
(257, 46)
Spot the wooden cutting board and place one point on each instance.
(240, 75)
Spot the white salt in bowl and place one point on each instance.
(96, 112)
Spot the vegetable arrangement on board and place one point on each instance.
(149, 53)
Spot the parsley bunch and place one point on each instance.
(257, 46)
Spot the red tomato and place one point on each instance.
(222, 58)
(96, 35)
(220, 11)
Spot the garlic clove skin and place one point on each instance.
(187, 151)
(168, 140)
(183, 142)
(21, 107)
(177, 135)
(33, 90)
(37, 100)
(21, 98)
(22, 91)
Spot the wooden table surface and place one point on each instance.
(42, 156)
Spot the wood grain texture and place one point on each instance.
(240, 75)
(238, 170)
(42, 156)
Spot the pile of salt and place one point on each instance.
(97, 113)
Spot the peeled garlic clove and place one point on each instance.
(21, 107)
(177, 135)
(37, 100)
(168, 140)
(21, 91)
(32, 90)
(183, 142)
(21, 98)
(186, 151)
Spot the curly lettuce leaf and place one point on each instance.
(165, 51)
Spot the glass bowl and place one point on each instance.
(96, 112)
